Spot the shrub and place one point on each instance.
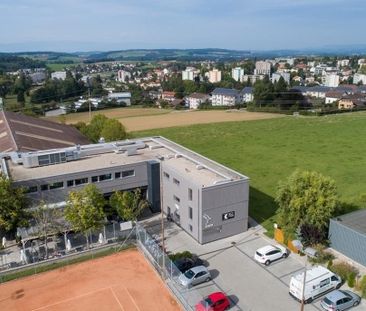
(176, 256)
(363, 286)
(330, 264)
(343, 269)
(351, 279)
(322, 256)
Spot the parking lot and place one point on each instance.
(249, 285)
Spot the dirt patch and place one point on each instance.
(123, 281)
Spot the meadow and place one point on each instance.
(268, 151)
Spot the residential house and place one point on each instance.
(277, 76)
(333, 96)
(194, 100)
(121, 97)
(61, 75)
(247, 94)
(225, 97)
(168, 96)
(352, 101)
(359, 78)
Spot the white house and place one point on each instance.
(123, 76)
(195, 99)
(331, 80)
(358, 77)
(61, 75)
(190, 73)
(277, 76)
(247, 94)
(225, 97)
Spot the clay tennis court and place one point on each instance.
(123, 281)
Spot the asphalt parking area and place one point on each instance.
(248, 284)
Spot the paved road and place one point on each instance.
(249, 285)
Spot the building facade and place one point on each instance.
(214, 76)
(190, 73)
(123, 76)
(331, 80)
(121, 97)
(194, 100)
(262, 68)
(208, 200)
(225, 97)
(61, 75)
(237, 74)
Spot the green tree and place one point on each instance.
(94, 129)
(84, 210)
(20, 97)
(47, 222)
(128, 204)
(113, 130)
(306, 198)
(363, 69)
(12, 205)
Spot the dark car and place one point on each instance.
(184, 264)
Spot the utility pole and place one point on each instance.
(89, 103)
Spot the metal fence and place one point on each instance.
(35, 255)
(150, 245)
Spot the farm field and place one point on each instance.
(137, 119)
(270, 150)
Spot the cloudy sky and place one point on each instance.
(84, 25)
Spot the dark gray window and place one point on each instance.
(176, 199)
(43, 160)
(105, 177)
(44, 187)
(81, 181)
(117, 175)
(32, 189)
(176, 181)
(57, 185)
(190, 228)
(70, 183)
(190, 213)
(128, 173)
(166, 175)
(190, 194)
(94, 179)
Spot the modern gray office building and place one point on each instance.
(208, 200)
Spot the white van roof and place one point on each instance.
(313, 274)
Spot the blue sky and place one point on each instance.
(84, 25)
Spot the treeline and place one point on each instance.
(14, 63)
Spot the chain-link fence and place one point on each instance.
(35, 254)
(151, 247)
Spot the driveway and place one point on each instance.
(249, 285)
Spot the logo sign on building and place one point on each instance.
(228, 215)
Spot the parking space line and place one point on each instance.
(293, 272)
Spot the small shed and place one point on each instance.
(347, 235)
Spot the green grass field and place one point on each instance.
(270, 150)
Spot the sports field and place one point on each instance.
(138, 119)
(123, 281)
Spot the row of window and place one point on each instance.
(177, 182)
(82, 181)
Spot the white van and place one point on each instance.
(318, 281)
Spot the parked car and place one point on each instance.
(339, 300)
(194, 276)
(270, 253)
(184, 264)
(214, 302)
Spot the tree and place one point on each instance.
(20, 97)
(306, 198)
(94, 129)
(113, 130)
(12, 205)
(47, 222)
(84, 210)
(128, 204)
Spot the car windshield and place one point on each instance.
(327, 301)
(189, 274)
(207, 302)
(346, 294)
(259, 254)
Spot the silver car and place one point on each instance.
(339, 300)
(194, 276)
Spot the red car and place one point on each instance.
(214, 302)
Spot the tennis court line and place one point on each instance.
(70, 299)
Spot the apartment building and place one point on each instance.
(208, 200)
(195, 99)
(262, 68)
(277, 76)
(331, 80)
(190, 73)
(237, 74)
(61, 75)
(225, 97)
(359, 78)
(123, 76)
(214, 76)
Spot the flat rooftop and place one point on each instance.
(355, 220)
(185, 162)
